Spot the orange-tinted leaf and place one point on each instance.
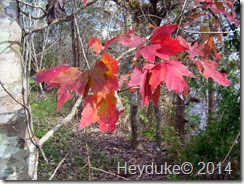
(103, 75)
(67, 79)
(151, 26)
(95, 44)
(101, 108)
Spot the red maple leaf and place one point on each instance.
(171, 73)
(210, 71)
(194, 50)
(169, 46)
(95, 44)
(161, 44)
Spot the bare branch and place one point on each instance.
(207, 32)
(81, 43)
(63, 122)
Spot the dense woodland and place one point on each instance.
(171, 91)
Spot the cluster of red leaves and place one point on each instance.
(218, 7)
(168, 71)
(97, 85)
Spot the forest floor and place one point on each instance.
(87, 154)
(102, 152)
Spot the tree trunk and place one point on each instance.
(135, 141)
(179, 116)
(18, 156)
(158, 133)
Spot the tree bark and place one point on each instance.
(158, 133)
(135, 141)
(18, 156)
(179, 116)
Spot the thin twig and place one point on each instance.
(109, 173)
(60, 163)
(43, 155)
(27, 109)
(81, 43)
(125, 53)
(231, 148)
(181, 15)
(207, 32)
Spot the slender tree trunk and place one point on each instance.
(135, 141)
(158, 133)
(179, 116)
(18, 156)
(210, 101)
